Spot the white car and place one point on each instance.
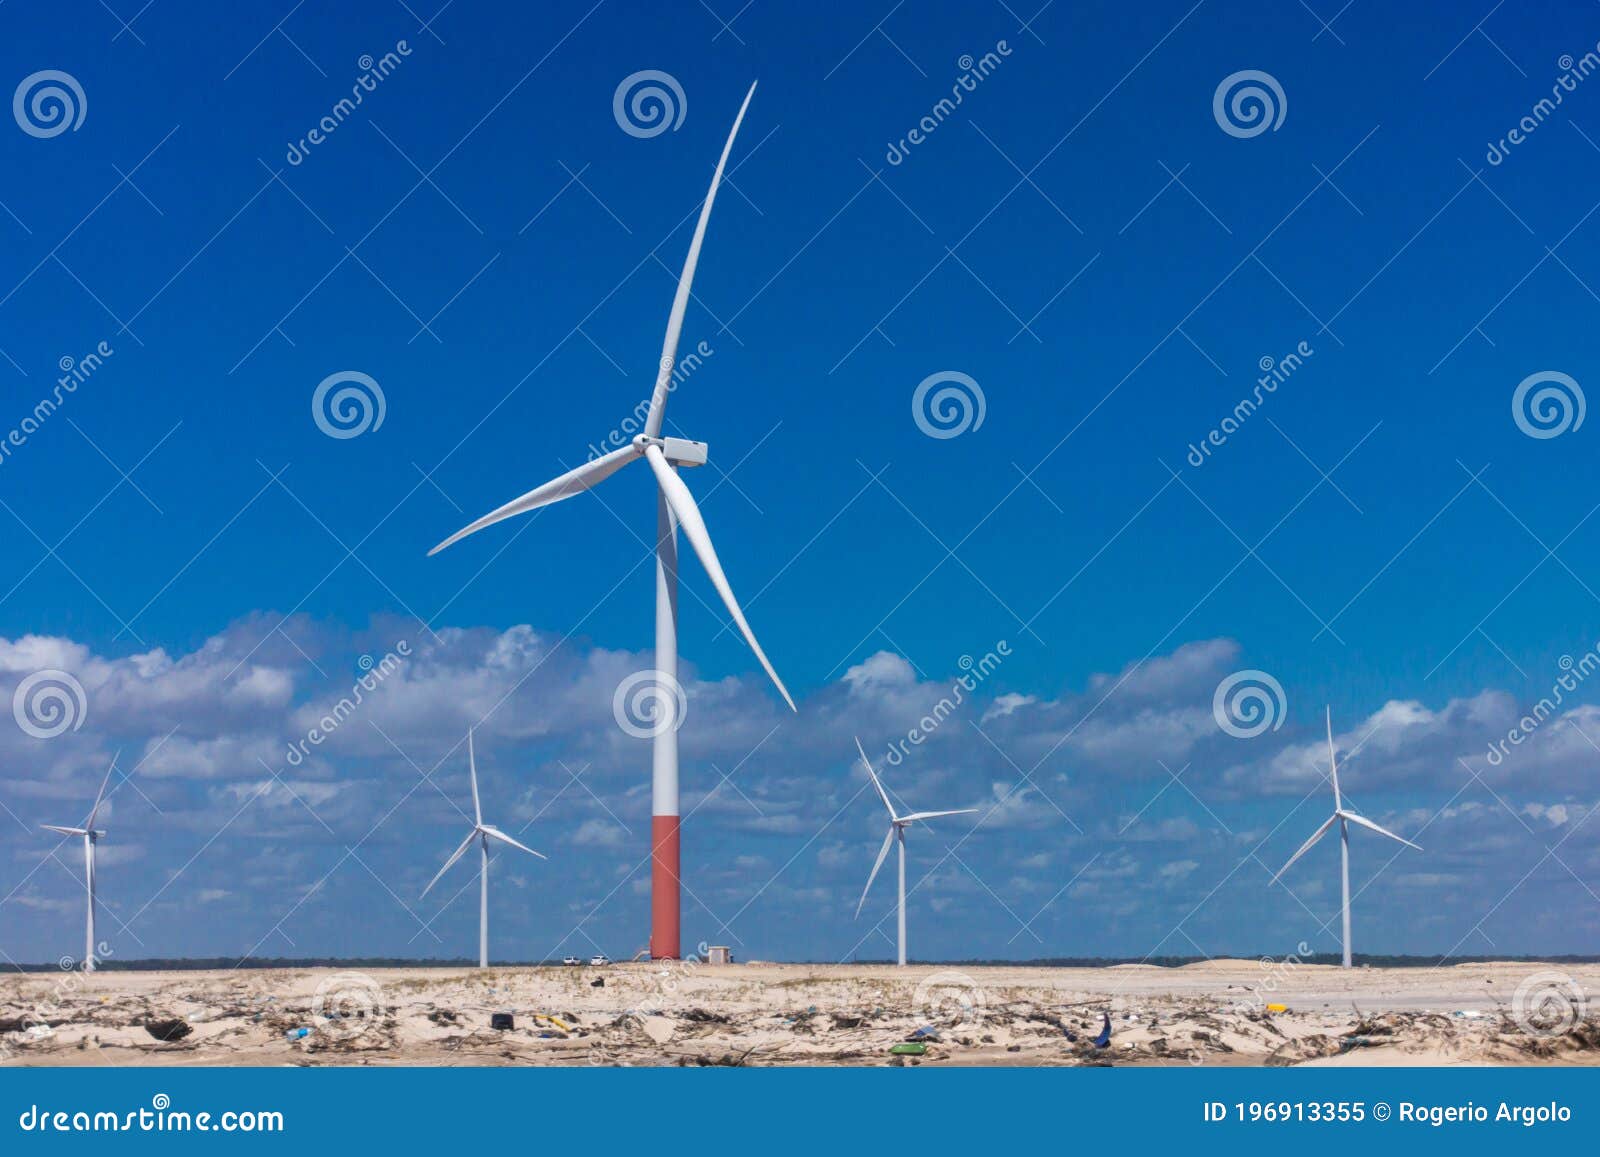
(571, 961)
(599, 959)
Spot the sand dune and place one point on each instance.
(1214, 1013)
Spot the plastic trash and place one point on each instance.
(926, 1032)
(1104, 1039)
(502, 1021)
(38, 1032)
(297, 1034)
(1277, 1008)
(909, 1050)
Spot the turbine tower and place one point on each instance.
(483, 833)
(897, 835)
(675, 508)
(1344, 818)
(90, 836)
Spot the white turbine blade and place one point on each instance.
(883, 795)
(1333, 763)
(496, 834)
(101, 794)
(883, 853)
(694, 529)
(1382, 831)
(65, 831)
(472, 774)
(935, 815)
(1306, 847)
(680, 300)
(450, 863)
(572, 482)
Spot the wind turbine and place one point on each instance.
(91, 836)
(1344, 818)
(897, 834)
(483, 833)
(675, 507)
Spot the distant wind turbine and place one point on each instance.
(483, 833)
(91, 836)
(897, 834)
(675, 507)
(1344, 818)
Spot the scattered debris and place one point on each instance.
(909, 1049)
(502, 1021)
(171, 1029)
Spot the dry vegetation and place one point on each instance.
(1216, 1013)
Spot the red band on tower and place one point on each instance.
(664, 888)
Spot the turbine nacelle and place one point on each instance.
(678, 451)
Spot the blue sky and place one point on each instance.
(1081, 237)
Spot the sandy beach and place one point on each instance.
(1222, 1012)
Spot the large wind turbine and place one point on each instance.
(897, 834)
(483, 833)
(675, 507)
(1344, 818)
(91, 836)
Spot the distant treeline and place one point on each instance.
(230, 963)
